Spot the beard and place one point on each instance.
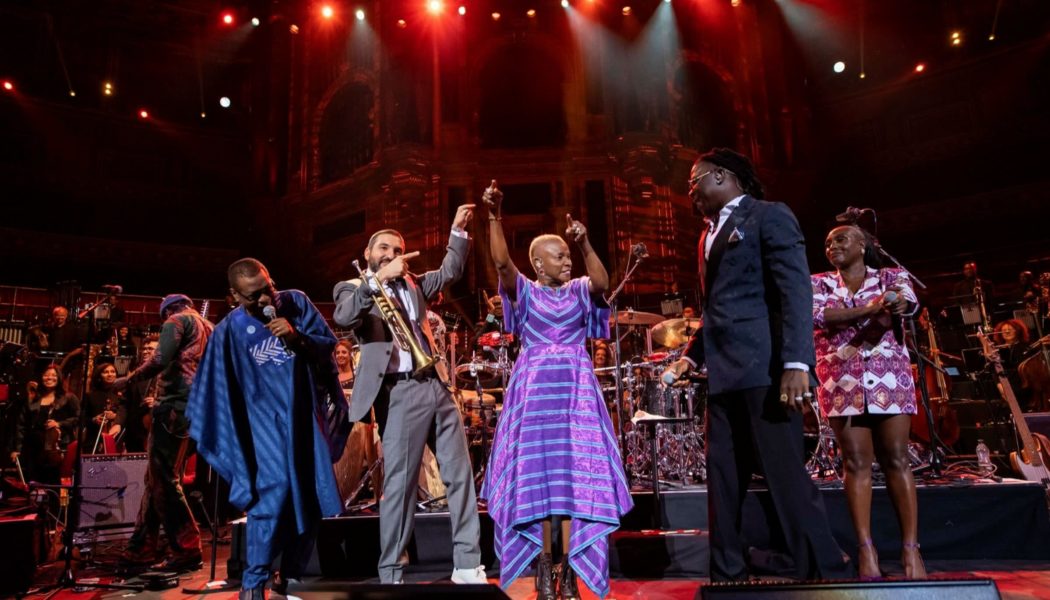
(375, 264)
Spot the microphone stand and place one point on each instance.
(617, 371)
(68, 578)
(921, 362)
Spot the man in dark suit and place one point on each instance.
(412, 408)
(757, 344)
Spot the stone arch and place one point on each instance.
(344, 131)
(707, 109)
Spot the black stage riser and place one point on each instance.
(942, 589)
(994, 521)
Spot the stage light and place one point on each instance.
(991, 38)
(401, 23)
(531, 13)
(224, 102)
(203, 114)
(862, 75)
(72, 94)
(462, 10)
(956, 38)
(9, 86)
(107, 88)
(565, 3)
(839, 67)
(227, 18)
(435, 6)
(734, 3)
(327, 11)
(626, 10)
(667, 1)
(919, 68)
(360, 14)
(293, 29)
(143, 114)
(496, 16)
(256, 22)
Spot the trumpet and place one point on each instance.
(404, 336)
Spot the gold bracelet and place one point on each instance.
(491, 218)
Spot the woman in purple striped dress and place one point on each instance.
(554, 452)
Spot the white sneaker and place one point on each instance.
(475, 575)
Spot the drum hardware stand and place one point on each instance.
(365, 479)
(821, 465)
(638, 257)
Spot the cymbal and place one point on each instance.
(633, 317)
(673, 333)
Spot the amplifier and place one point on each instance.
(111, 488)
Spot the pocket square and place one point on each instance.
(736, 236)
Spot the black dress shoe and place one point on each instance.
(545, 578)
(258, 593)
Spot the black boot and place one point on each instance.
(545, 578)
(567, 589)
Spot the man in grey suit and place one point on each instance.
(757, 343)
(411, 409)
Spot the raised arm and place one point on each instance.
(599, 277)
(508, 273)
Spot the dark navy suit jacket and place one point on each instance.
(757, 299)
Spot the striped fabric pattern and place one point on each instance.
(554, 452)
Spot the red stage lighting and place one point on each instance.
(496, 16)
(143, 114)
(227, 18)
(919, 68)
(327, 11)
(462, 10)
(531, 13)
(402, 23)
(435, 7)
(9, 86)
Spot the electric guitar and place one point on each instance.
(1030, 462)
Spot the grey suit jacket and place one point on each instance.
(355, 308)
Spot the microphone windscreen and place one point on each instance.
(269, 311)
(890, 296)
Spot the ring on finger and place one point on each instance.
(807, 395)
(783, 397)
(798, 398)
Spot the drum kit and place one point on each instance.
(647, 400)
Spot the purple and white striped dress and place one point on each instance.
(554, 452)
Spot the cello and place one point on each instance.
(945, 419)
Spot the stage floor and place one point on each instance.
(995, 530)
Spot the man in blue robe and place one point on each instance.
(268, 414)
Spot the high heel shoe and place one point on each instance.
(909, 570)
(545, 578)
(867, 543)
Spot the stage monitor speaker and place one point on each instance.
(111, 491)
(413, 591)
(930, 589)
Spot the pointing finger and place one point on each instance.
(410, 255)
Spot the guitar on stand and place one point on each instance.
(1031, 460)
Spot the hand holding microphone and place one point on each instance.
(280, 327)
(894, 302)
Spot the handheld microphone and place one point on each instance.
(270, 312)
(113, 289)
(639, 251)
(890, 297)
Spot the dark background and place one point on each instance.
(330, 134)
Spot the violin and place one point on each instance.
(945, 419)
